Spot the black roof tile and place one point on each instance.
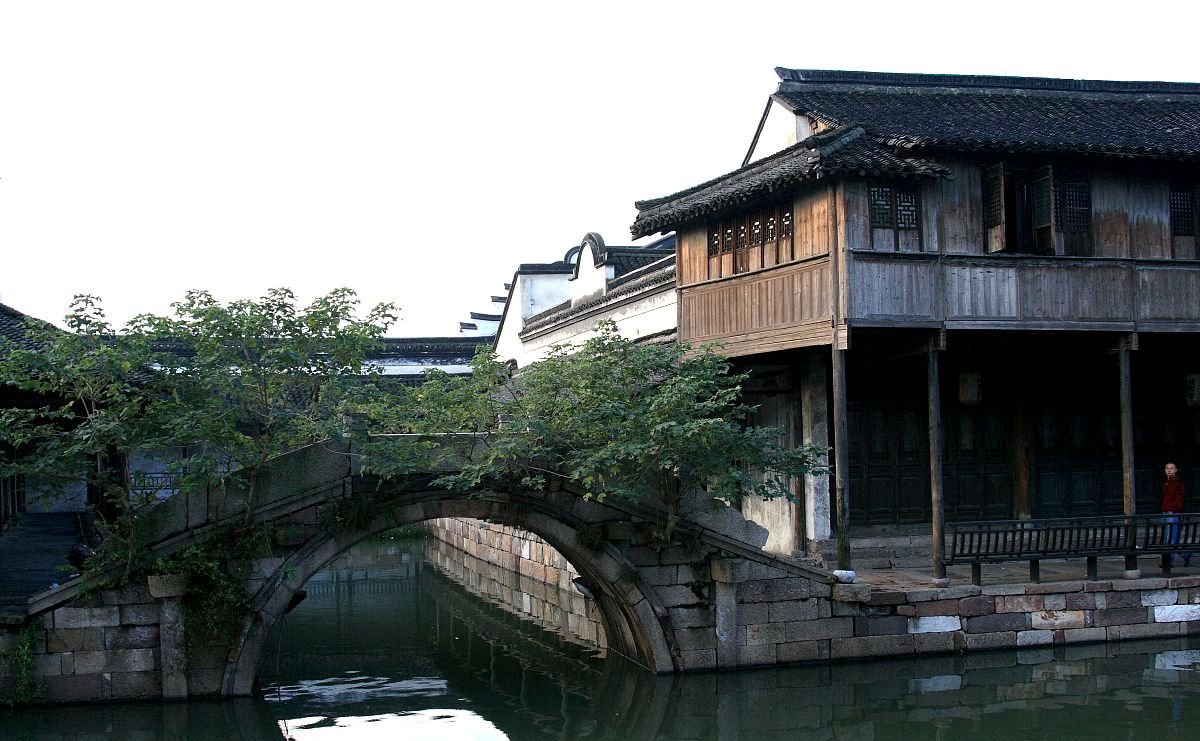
(843, 150)
(977, 112)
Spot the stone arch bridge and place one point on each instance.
(716, 601)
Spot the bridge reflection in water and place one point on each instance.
(386, 641)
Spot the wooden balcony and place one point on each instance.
(1022, 292)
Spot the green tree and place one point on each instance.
(645, 423)
(226, 387)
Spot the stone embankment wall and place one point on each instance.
(120, 644)
(518, 571)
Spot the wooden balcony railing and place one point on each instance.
(995, 541)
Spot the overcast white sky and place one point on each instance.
(418, 152)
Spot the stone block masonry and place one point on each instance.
(525, 575)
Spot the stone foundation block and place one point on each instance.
(75, 639)
(677, 596)
(1085, 635)
(140, 636)
(135, 685)
(1176, 613)
(1054, 587)
(1144, 630)
(691, 639)
(976, 606)
(1123, 616)
(1160, 597)
(203, 682)
(791, 610)
(756, 612)
(936, 643)
(802, 651)
(880, 626)
(127, 595)
(869, 646)
(1134, 585)
(988, 641)
(957, 592)
(1117, 600)
(1004, 589)
(1020, 603)
(774, 590)
(1035, 637)
(699, 659)
(1081, 601)
(1054, 602)
(87, 617)
(886, 598)
(75, 687)
(1001, 622)
(934, 624)
(816, 630)
(764, 633)
(851, 592)
(691, 617)
(1058, 619)
(847, 609)
(940, 607)
(47, 665)
(760, 655)
(121, 660)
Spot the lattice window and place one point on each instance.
(1043, 202)
(742, 240)
(714, 240)
(993, 196)
(1183, 212)
(785, 221)
(727, 237)
(756, 229)
(1076, 216)
(881, 208)
(907, 209)
(772, 227)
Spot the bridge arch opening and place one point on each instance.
(628, 608)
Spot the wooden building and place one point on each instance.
(982, 292)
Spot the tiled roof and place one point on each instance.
(974, 112)
(625, 260)
(12, 325)
(843, 150)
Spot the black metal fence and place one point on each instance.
(995, 541)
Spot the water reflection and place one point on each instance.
(440, 652)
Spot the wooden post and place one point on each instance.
(1024, 460)
(1131, 563)
(935, 469)
(841, 456)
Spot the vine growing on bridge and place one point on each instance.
(26, 689)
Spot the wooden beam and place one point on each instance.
(1127, 469)
(841, 457)
(935, 467)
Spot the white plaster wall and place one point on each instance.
(779, 132)
(591, 279)
(650, 314)
(540, 292)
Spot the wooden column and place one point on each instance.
(1127, 470)
(1024, 429)
(841, 456)
(938, 507)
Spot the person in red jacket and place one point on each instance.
(1172, 505)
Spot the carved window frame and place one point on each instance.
(895, 207)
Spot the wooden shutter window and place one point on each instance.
(881, 208)
(1183, 212)
(907, 209)
(714, 240)
(785, 221)
(993, 195)
(727, 237)
(1076, 202)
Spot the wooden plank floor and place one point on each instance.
(31, 554)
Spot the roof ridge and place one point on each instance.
(1011, 82)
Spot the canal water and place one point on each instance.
(387, 646)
